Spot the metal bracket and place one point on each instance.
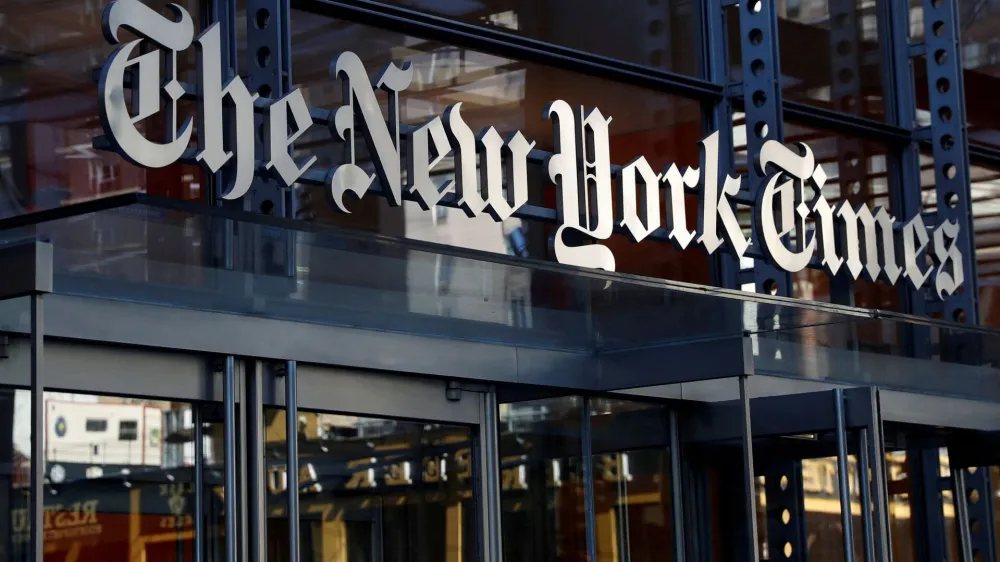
(27, 269)
(453, 391)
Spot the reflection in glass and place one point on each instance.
(542, 481)
(985, 191)
(660, 35)
(824, 531)
(50, 112)
(495, 91)
(119, 478)
(372, 489)
(980, 50)
(857, 171)
(904, 490)
(632, 487)
(830, 55)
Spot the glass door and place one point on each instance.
(387, 470)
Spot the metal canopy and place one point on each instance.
(374, 302)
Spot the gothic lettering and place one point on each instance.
(279, 140)
(716, 207)
(219, 102)
(119, 124)
(578, 178)
(950, 275)
(638, 213)
(491, 169)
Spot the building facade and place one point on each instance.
(532, 280)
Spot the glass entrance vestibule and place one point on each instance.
(624, 419)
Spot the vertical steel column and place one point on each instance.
(962, 514)
(229, 445)
(269, 74)
(951, 151)
(927, 505)
(876, 458)
(762, 107)
(292, 452)
(243, 521)
(979, 513)
(905, 197)
(36, 504)
(846, 95)
(783, 488)
(256, 490)
(715, 66)
(749, 485)
(199, 482)
(587, 453)
(843, 479)
(487, 463)
(864, 484)
(223, 12)
(677, 489)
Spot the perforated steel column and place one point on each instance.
(846, 96)
(786, 523)
(268, 69)
(977, 491)
(949, 145)
(762, 107)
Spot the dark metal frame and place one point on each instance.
(243, 393)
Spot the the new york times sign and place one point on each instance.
(491, 171)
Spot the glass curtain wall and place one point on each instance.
(119, 478)
(643, 64)
(544, 452)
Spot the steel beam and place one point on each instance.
(487, 463)
(764, 121)
(949, 145)
(36, 509)
(843, 478)
(197, 420)
(256, 487)
(292, 455)
(27, 271)
(927, 505)
(864, 483)
(783, 487)
(982, 539)
(749, 481)
(229, 384)
(587, 460)
(677, 488)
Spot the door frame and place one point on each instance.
(320, 388)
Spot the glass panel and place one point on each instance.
(830, 55)
(105, 497)
(49, 113)
(824, 530)
(661, 34)
(985, 190)
(632, 484)
(542, 481)
(344, 278)
(857, 170)
(980, 55)
(904, 488)
(874, 351)
(372, 489)
(504, 93)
